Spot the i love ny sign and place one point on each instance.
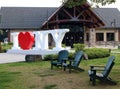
(26, 40)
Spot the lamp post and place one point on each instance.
(113, 24)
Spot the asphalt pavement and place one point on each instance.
(10, 58)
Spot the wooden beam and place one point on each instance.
(67, 13)
(69, 20)
(81, 12)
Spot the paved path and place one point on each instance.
(8, 58)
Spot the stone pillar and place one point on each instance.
(116, 35)
(92, 37)
(105, 37)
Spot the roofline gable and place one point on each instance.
(86, 5)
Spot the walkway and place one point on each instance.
(9, 58)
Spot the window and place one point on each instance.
(110, 36)
(99, 37)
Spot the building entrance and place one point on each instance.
(75, 35)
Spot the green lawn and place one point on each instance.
(38, 75)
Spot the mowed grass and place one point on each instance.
(38, 75)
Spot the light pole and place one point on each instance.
(113, 24)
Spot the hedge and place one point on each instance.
(50, 56)
(54, 56)
(78, 47)
(92, 53)
(97, 52)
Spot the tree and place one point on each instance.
(72, 3)
(102, 2)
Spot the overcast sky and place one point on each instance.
(30, 3)
(41, 3)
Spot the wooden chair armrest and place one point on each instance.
(53, 59)
(65, 59)
(70, 59)
(97, 68)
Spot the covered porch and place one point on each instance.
(81, 21)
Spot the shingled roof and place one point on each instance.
(34, 17)
(25, 17)
(108, 16)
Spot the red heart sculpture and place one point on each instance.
(26, 40)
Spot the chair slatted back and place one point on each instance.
(62, 54)
(108, 66)
(77, 59)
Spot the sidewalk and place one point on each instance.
(9, 58)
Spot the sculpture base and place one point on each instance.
(33, 52)
(33, 58)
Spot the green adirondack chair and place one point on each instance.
(103, 77)
(74, 63)
(62, 57)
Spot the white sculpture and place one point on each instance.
(41, 39)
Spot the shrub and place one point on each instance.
(50, 56)
(78, 47)
(54, 56)
(97, 53)
(5, 47)
(10, 43)
(71, 55)
(63, 45)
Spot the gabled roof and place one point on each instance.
(25, 17)
(34, 17)
(76, 15)
(109, 16)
